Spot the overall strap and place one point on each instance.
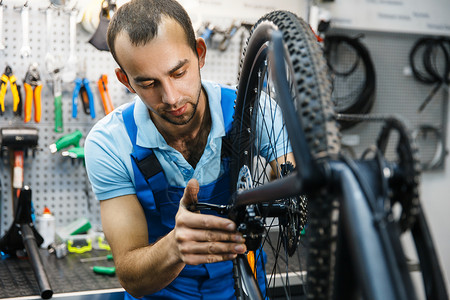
(144, 159)
(228, 95)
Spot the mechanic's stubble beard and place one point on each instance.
(183, 119)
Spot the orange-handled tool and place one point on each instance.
(104, 93)
(33, 88)
(32, 93)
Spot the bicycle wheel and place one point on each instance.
(262, 153)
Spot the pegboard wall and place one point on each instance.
(56, 181)
(399, 93)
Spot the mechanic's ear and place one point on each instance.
(123, 78)
(201, 51)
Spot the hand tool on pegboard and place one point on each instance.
(57, 94)
(17, 141)
(54, 66)
(227, 36)
(83, 89)
(70, 139)
(25, 50)
(69, 74)
(75, 152)
(8, 77)
(50, 60)
(23, 235)
(33, 87)
(206, 32)
(104, 94)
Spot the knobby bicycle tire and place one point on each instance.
(310, 83)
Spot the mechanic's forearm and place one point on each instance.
(149, 269)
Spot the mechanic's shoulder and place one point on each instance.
(107, 133)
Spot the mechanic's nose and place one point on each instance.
(169, 93)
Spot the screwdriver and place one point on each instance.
(104, 270)
(107, 257)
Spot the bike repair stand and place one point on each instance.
(23, 235)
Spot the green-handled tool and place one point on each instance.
(75, 152)
(57, 93)
(71, 139)
(106, 257)
(104, 270)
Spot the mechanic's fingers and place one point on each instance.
(203, 221)
(190, 193)
(193, 259)
(183, 235)
(214, 248)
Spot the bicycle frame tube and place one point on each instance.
(279, 189)
(433, 278)
(365, 245)
(250, 285)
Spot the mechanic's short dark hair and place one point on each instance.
(140, 20)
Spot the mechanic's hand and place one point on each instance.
(204, 238)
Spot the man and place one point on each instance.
(174, 132)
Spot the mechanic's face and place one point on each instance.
(165, 72)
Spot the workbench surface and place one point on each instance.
(65, 275)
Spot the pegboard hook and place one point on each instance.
(25, 6)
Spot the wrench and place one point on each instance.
(25, 51)
(49, 58)
(70, 69)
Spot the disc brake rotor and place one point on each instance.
(295, 219)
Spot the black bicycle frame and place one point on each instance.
(378, 271)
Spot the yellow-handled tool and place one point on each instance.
(8, 76)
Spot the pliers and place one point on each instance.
(83, 89)
(9, 76)
(33, 88)
(104, 93)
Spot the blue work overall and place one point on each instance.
(160, 203)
